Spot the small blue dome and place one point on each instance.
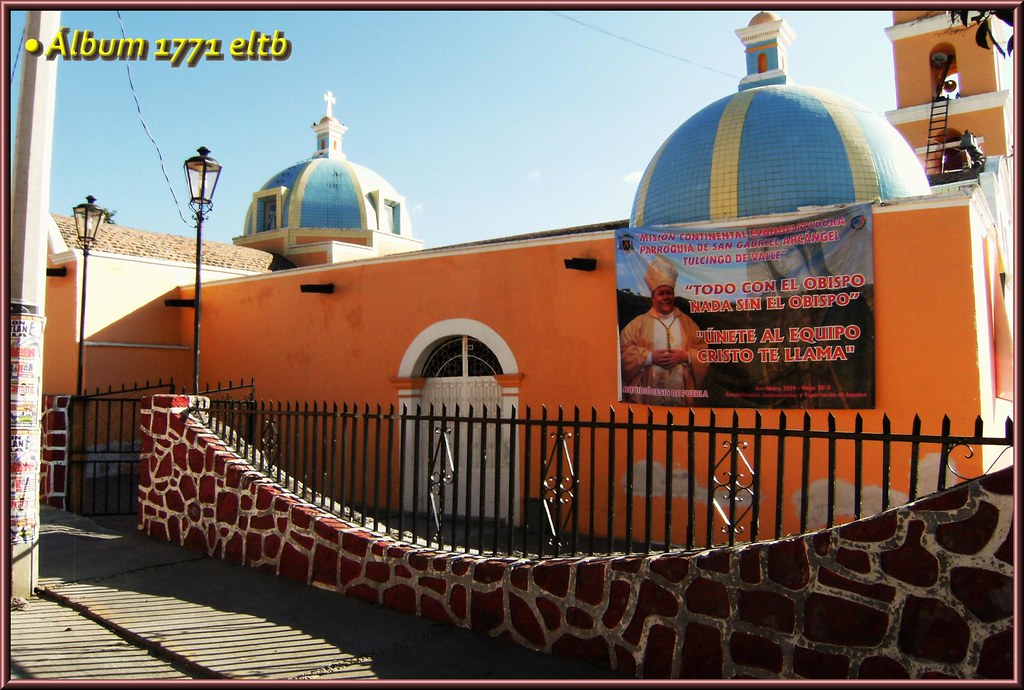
(323, 193)
(327, 194)
(772, 149)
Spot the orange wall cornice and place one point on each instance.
(408, 384)
(509, 380)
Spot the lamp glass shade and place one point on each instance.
(88, 219)
(202, 173)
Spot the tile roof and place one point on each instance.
(117, 239)
(545, 234)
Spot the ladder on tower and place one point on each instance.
(938, 120)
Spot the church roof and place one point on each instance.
(116, 239)
(543, 234)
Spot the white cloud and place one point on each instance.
(633, 177)
(535, 175)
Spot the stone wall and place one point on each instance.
(921, 591)
(53, 469)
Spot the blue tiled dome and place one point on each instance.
(324, 193)
(773, 149)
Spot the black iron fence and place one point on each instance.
(558, 485)
(104, 444)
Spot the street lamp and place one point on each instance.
(88, 219)
(202, 173)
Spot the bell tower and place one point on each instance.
(948, 90)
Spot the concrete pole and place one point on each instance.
(30, 220)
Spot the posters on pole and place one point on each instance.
(763, 316)
(26, 398)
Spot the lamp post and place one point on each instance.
(88, 219)
(202, 173)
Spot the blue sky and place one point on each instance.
(489, 123)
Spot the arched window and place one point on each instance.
(461, 355)
(269, 214)
(762, 63)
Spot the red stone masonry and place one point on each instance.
(53, 466)
(921, 591)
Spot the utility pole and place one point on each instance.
(30, 219)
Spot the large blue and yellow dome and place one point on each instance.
(772, 148)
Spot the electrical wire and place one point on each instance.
(17, 54)
(138, 107)
(641, 45)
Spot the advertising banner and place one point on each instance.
(763, 316)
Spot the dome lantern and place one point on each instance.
(766, 38)
(329, 132)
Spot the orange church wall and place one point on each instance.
(60, 354)
(348, 345)
(131, 336)
(560, 324)
(933, 332)
(932, 356)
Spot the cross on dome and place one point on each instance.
(329, 132)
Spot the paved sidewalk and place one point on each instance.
(118, 605)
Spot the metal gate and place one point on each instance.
(104, 444)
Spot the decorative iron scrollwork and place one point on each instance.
(268, 443)
(559, 486)
(441, 474)
(731, 487)
(953, 444)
